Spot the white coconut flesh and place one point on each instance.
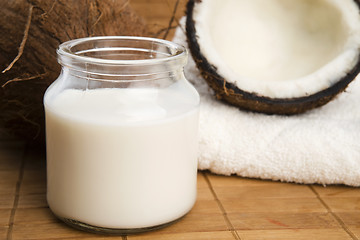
(279, 48)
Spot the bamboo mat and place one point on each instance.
(227, 208)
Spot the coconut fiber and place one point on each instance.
(30, 32)
(321, 146)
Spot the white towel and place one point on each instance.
(321, 146)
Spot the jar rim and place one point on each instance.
(178, 52)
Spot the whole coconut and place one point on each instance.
(30, 32)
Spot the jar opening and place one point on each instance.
(120, 50)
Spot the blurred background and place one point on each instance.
(161, 16)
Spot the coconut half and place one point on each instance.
(275, 56)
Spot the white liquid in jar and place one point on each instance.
(118, 165)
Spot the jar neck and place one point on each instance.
(123, 73)
(80, 80)
(122, 59)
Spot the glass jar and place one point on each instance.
(121, 135)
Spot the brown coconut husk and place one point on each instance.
(31, 30)
(229, 93)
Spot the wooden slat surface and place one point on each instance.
(158, 13)
(227, 208)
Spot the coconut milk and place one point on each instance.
(120, 158)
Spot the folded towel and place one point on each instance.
(321, 146)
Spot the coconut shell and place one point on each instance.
(231, 94)
(31, 30)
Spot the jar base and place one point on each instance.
(113, 231)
